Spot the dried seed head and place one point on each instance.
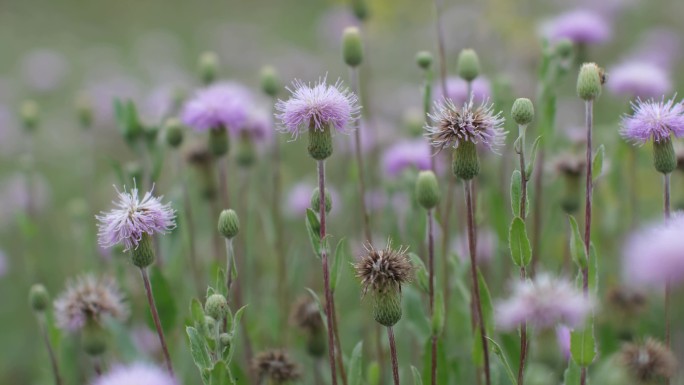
(648, 361)
(305, 315)
(275, 365)
(384, 270)
(570, 165)
(626, 300)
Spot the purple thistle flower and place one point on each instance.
(458, 90)
(543, 303)
(259, 126)
(137, 373)
(405, 154)
(639, 79)
(478, 125)
(580, 26)
(89, 298)
(132, 218)
(225, 104)
(655, 254)
(318, 105)
(653, 120)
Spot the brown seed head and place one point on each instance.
(648, 361)
(626, 300)
(276, 365)
(570, 165)
(305, 315)
(384, 270)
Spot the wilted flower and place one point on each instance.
(626, 300)
(132, 218)
(580, 26)
(638, 79)
(543, 302)
(275, 365)
(653, 120)
(479, 125)
(225, 104)
(317, 106)
(568, 164)
(648, 361)
(406, 154)
(88, 298)
(137, 373)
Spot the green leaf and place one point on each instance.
(583, 345)
(355, 370)
(519, 243)
(572, 374)
(219, 375)
(313, 227)
(221, 282)
(577, 250)
(516, 192)
(504, 362)
(197, 314)
(486, 304)
(477, 352)
(199, 350)
(416, 376)
(422, 275)
(597, 162)
(340, 256)
(533, 158)
(164, 299)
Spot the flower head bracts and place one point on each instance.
(384, 270)
(316, 106)
(134, 217)
(479, 125)
(653, 120)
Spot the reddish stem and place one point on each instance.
(155, 317)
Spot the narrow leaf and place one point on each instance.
(504, 362)
(165, 300)
(313, 227)
(356, 365)
(421, 272)
(198, 349)
(533, 158)
(486, 304)
(572, 374)
(516, 192)
(577, 250)
(338, 259)
(597, 162)
(417, 380)
(593, 269)
(519, 243)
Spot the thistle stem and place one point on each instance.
(589, 115)
(431, 271)
(338, 344)
(666, 209)
(354, 76)
(393, 354)
(223, 181)
(230, 263)
(51, 351)
(155, 317)
(326, 273)
(523, 272)
(473, 272)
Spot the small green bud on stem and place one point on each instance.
(522, 111)
(352, 47)
(270, 84)
(320, 142)
(468, 65)
(30, 115)
(174, 132)
(229, 223)
(216, 306)
(427, 190)
(589, 81)
(465, 164)
(39, 298)
(424, 59)
(664, 158)
(316, 201)
(208, 67)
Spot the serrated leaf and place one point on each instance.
(338, 259)
(519, 243)
(199, 350)
(597, 162)
(313, 227)
(504, 362)
(422, 276)
(533, 158)
(164, 299)
(577, 250)
(516, 192)
(417, 380)
(354, 374)
(583, 345)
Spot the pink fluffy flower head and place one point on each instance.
(452, 125)
(638, 79)
(653, 120)
(406, 154)
(543, 303)
(655, 254)
(580, 26)
(137, 373)
(225, 104)
(317, 105)
(134, 217)
(89, 298)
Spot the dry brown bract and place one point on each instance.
(648, 361)
(276, 365)
(383, 270)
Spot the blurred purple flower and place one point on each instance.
(44, 70)
(458, 90)
(333, 22)
(347, 144)
(145, 340)
(582, 26)
(132, 218)
(259, 126)
(543, 303)
(655, 254)
(137, 373)
(661, 47)
(299, 199)
(89, 298)
(225, 104)
(638, 79)
(563, 339)
(318, 105)
(410, 153)
(653, 120)
(21, 194)
(486, 246)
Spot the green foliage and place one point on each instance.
(518, 243)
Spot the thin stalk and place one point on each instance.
(155, 317)
(190, 226)
(431, 272)
(51, 351)
(538, 206)
(326, 273)
(476, 286)
(223, 181)
(589, 115)
(354, 76)
(523, 274)
(666, 210)
(278, 224)
(393, 354)
(338, 345)
(230, 264)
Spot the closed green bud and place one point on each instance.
(216, 306)
(468, 65)
(84, 111)
(30, 115)
(664, 158)
(427, 190)
(320, 143)
(143, 255)
(229, 223)
(225, 339)
(387, 307)
(129, 121)
(39, 298)
(151, 133)
(94, 338)
(465, 164)
(219, 142)
(208, 67)
(564, 48)
(414, 120)
(360, 9)
(270, 83)
(174, 132)
(424, 59)
(352, 47)
(438, 315)
(522, 111)
(246, 152)
(316, 201)
(373, 373)
(589, 81)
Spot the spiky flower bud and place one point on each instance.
(84, 111)
(360, 9)
(94, 338)
(564, 48)
(352, 47)
(465, 163)
(316, 201)
(30, 115)
(648, 361)
(424, 59)
(589, 81)
(208, 67)
(39, 298)
(174, 132)
(427, 190)
(219, 142)
(522, 111)
(270, 84)
(216, 306)
(229, 223)
(383, 272)
(468, 65)
(664, 158)
(143, 255)
(320, 142)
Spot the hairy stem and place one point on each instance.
(523, 273)
(431, 271)
(393, 354)
(589, 115)
(155, 317)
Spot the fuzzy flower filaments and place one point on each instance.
(648, 361)
(89, 299)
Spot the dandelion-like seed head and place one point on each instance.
(648, 361)
(134, 217)
(137, 373)
(384, 270)
(317, 106)
(88, 298)
(476, 124)
(653, 120)
(275, 365)
(305, 315)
